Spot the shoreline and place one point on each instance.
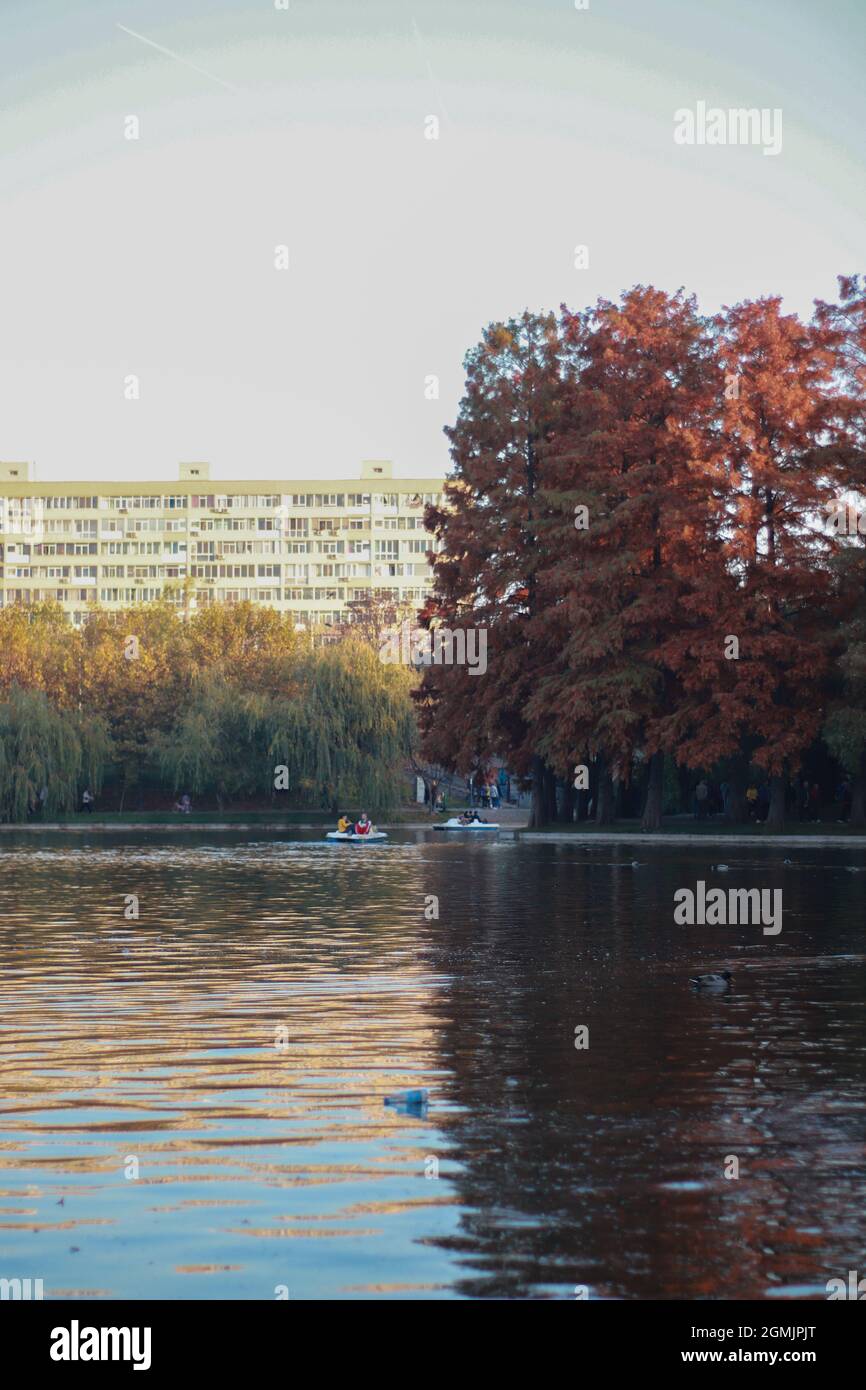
(632, 837)
(510, 832)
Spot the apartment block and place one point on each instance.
(307, 548)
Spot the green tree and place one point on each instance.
(42, 746)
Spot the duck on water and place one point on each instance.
(714, 982)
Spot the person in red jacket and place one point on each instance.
(363, 826)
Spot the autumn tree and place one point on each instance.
(631, 540)
(845, 727)
(492, 531)
(780, 475)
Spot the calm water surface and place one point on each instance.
(236, 1042)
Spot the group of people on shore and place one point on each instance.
(802, 797)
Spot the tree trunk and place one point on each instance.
(858, 795)
(684, 781)
(652, 809)
(550, 794)
(737, 808)
(604, 795)
(538, 811)
(776, 813)
(569, 798)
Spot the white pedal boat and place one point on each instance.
(455, 824)
(356, 839)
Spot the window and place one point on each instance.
(57, 504)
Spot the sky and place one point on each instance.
(307, 128)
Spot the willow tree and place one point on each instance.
(217, 744)
(134, 670)
(342, 727)
(45, 747)
(346, 732)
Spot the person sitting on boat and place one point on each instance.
(364, 825)
(344, 825)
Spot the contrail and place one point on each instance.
(203, 72)
(419, 40)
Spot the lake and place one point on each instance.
(191, 1102)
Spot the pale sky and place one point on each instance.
(306, 127)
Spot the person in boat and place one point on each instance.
(471, 818)
(364, 825)
(344, 825)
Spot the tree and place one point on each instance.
(44, 747)
(343, 731)
(845, 727)
(780, 476)
(630, 538)
(491, 532)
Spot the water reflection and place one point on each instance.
(238, 1039)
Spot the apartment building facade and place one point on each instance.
(308, 548)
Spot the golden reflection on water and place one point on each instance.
(158, 1039)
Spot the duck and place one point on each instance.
(719, 981)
